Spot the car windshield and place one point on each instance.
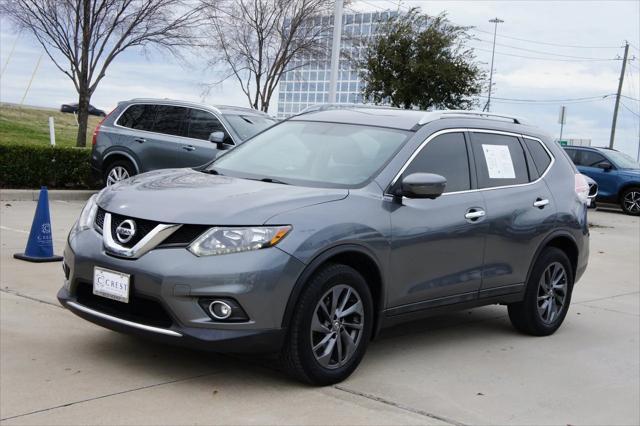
(313, 154)
(247, 126)
(622, 161)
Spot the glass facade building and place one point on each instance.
(307, 82)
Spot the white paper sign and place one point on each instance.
(499, 162)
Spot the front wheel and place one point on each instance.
(330, 328)
(547, 295)
(630, 201)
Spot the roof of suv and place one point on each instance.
(398, 118)
(592, 148)
(224, 109)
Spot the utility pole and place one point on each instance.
(13, 48)
(33, 75)
(562, 119)
(620, 81)
(335, 50)
(494, 21)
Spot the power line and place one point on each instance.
(473, 28)
(574, 46)
(550, 101)
(630, 97)
(542, 52)
(629, 109)
(546, 59)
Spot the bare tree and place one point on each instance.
(256, 40)
(83, 37)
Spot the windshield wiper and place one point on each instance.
(272, 180)
(212, 172)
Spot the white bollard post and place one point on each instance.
(52, 132)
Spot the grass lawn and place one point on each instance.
(30, 125)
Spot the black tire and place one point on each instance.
(297, 357)
(526, 316)
(117, 165)
(630, 201)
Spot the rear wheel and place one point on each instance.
(547, 295)
(330, 328)
(117, 171)
(630, 201)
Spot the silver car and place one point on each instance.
(141, 135)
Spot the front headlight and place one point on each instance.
(88, 215)
(223, 240)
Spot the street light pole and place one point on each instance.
(494, 21)
(335, 50)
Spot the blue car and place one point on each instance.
(617, 175)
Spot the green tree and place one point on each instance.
(421, 61)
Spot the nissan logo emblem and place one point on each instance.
(125, 231)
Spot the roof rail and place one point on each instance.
(453, 113)
(325, 107)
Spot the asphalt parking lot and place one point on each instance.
(469, 367)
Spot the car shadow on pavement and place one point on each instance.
(155, 358)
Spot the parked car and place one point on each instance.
(617, 175)
(314, 235)
(141, 135)
(593, 191)
(74, 109)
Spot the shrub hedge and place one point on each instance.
(31, 166)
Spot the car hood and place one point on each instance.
(191, 197)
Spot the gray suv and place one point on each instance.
(314, 235)
(147, 134)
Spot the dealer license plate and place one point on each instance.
(111, 284)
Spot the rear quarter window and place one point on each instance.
(540, 156)
(138, 117)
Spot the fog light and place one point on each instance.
(223, 309)
(219, 309)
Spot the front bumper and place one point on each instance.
(232, 341)
(173, 280)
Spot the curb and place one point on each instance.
(54, 194)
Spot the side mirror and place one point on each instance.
(422, 185)
(218, 137)
(605, 165)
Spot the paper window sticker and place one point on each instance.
(499, 162)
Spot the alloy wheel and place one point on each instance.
(117, 174)
(632, 201)
(552, 292)
(337, 326)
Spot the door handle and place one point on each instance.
(540, 203)
(188, 147)
(474, 214)
(140, 140)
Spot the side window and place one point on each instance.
(201, 124)
(540, 156)
(573, 154)
(170, 120)
(500, 160)
(590, 158)
(139, 117)
(445, 155)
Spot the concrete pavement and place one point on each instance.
(468, 367)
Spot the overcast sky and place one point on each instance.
(537, 32)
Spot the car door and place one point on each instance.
(168, 146)
(200, 124)
(438, 245)
(607, 179)
(520, 210)
(134, 132)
